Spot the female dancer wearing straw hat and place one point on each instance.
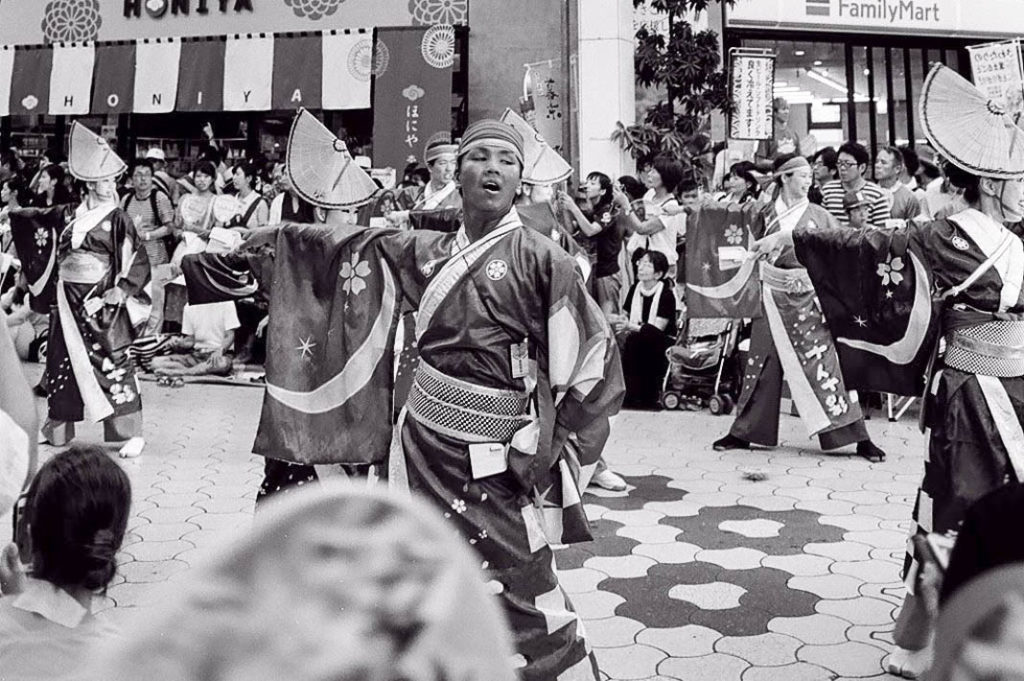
(102, 267)
(975, 395)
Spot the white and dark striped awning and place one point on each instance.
(253, 72)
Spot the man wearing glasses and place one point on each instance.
(852, 164)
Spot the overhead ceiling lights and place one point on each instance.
(799, 53)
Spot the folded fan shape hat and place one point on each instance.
(972, 132)
(90, 157)
(542, 164)
(321, 167)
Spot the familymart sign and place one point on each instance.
(1002, 18)
(899, 12)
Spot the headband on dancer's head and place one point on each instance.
(492, 133)
(436, 151)
(792, 164)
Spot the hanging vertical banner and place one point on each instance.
(6, 70)
(248, 72)
(71, 79)
(751, 82)
(348, 65)
(156, 75)
(113, 85)
(997, 71)
(297, 79)
(30, 81)
(201, 76)
(542, 92)
(412, 97)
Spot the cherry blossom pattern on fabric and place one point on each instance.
(433, 12)
(71, 21)
(314, 9)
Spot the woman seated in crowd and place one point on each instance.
(646, 330)
(74, 521)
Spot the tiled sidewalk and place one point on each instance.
(697, 573)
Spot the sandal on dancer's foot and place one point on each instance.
(870, 451)
(730, 442)
(909, 664)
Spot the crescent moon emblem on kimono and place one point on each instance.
(357, 370)
(36, 288)
(729, 288)
(904, 350)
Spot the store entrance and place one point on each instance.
(856, 87)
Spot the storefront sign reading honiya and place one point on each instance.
(37, 22)
(158, 8)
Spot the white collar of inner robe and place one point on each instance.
(52, 602)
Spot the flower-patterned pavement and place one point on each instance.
(696, 572)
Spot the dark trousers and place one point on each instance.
(757, 419)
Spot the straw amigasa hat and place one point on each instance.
(542, 164)
(90, 157)
(972, 132)
(322, 169)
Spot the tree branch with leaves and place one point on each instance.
(686, 64)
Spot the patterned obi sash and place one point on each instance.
(464, 411)
(994, 348)
(82, 267)
(794, 280)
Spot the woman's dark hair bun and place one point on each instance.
(101, 554)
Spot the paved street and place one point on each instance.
(697, 572)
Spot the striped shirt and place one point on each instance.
(878, 202)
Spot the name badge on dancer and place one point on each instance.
(519, 354)
(487, 459)
(92, 306)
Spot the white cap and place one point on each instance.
(156, 153)
(363, 162)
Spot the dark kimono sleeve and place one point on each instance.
(874, 288)
(35, 232)
(129, 255)
(579, 386)
(217, 277)
(438, 220)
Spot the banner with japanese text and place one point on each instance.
(412, 96)
(751, 82)
(997, 71)
(543, 106)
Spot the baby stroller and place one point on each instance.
(703, 367)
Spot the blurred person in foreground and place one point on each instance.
(889, 328)
(334, 583)
(75, 514)
(980, 634)
(513, 358)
